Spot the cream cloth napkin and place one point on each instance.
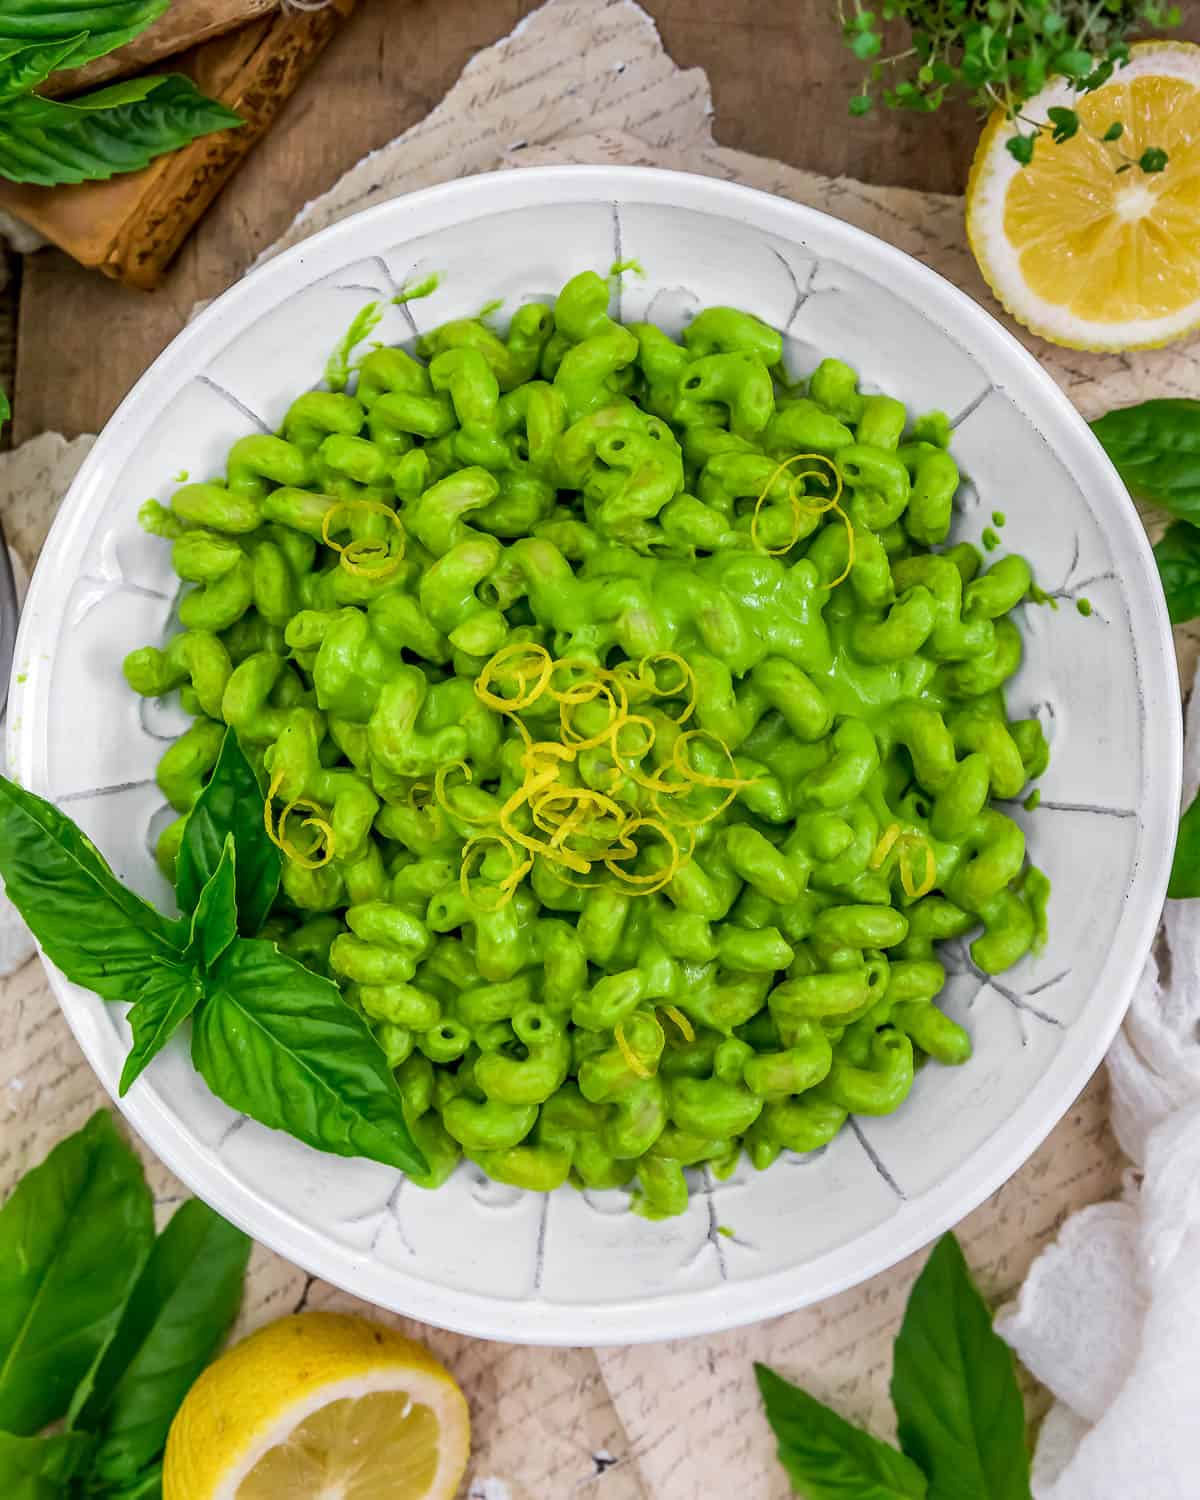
(588, 81)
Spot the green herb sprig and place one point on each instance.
(271, 1038)
(959, 1412)
(102, 1324)
(1155, 447)
(51, 142)
(999, 54)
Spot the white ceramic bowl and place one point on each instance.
(577, 1268)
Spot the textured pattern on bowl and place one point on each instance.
(577, 1268)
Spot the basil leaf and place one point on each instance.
(214, 922)
(1155, 448)
(73, 1237)
(176, 1319)
(23, 68)
(147, 1486)
(828, 1459)
(98, 933)
(39, 1468)
(94, 28)
(1185, 868)
(170, 993)
(1178, 559)
(231, 802)
(120, 129)
(958, 1406)
(279, 1043)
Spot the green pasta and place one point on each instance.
(631, 747)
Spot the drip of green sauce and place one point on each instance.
(337, 367)
(1084, 606)
(425, 288)
(489, 308)
(991, 539)
(181, 477)
(933, 427)
(725, 1230)
(1040, 596)
(998, 518)
(1037, 894)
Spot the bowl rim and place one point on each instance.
(917, 1221)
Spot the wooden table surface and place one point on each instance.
(780, 78)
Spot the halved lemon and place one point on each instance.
(320, 1407)
(1079, 252)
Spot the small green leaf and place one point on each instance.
(170, 993)
(1065, 123)
(1185, 868)
(41, 1468)
(1178, 559)
(1075, 62)
(94, 28)
(231, 802)
(1114, 132)
(958, 1406)
(98, 933)
(1153, 159)
(866, 44)
(214, 922)
(861, 104)
(280, 1044)
(828, 1459)
(73, 1237)
(176, 1319)
(1020, 148)
(119, 129)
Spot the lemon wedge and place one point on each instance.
(1080, 253)
(324, 1407)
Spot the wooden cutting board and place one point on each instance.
(131, 226)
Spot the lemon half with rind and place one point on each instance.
(321, 1406)
(1086, 256)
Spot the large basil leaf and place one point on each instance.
(958, 1405)
(1185, 869)
(40, 1468)
(73, 1237)
(170, 993)
(231, 803)
(1178, 559)
(176, 1319)
(828, 1459)
(23, 68)
(95, 28)
(120, 129)
(279, 1043)
(98, 933)
(1155, 447)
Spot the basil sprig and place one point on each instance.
(1155, 447)
(117, 129)
(958, 1408)
(102, 1324)
(272, 1039)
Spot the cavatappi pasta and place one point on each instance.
(631, 748)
